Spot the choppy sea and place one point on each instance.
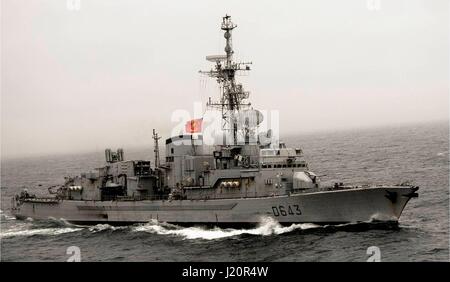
(415, 153)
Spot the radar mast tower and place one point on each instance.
(156, 148)
(232, 96)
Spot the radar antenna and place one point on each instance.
(232, 94)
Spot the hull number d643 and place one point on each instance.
(286, 210)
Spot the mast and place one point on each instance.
(156, 149)
(232, 94)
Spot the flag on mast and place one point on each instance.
(194, 125)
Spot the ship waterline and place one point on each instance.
(328, 207)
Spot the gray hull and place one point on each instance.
(340, 206)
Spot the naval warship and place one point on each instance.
(236, 182)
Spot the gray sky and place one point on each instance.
(106, 74)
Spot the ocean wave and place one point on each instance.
(267, 226)
(31, 227)
(15, 232)
(56, 222)
(5, 216)
(373, 224)
(381, 217)
(104, 227)
(50, 226)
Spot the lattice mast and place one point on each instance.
(232, 94)
(156, 147)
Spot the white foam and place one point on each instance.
(7, 217)
(382, 217)
(39, 231)
(103, 227)
(267, 227)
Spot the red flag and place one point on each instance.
(194, 126)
